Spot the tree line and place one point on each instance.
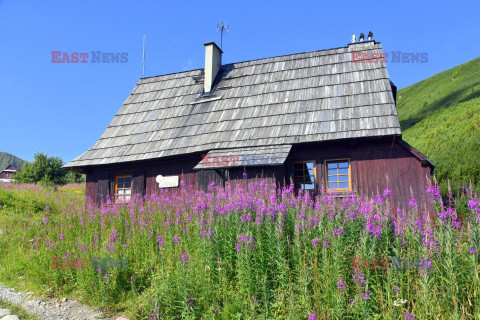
(47, 170)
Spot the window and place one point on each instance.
(338, 175)
(123, 188)
(8, 175)
(304, 174)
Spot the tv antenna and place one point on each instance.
(222, 27)
(143, 74)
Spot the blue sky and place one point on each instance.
(62, 108)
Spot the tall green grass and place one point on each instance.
(252, 253)
(440, 116)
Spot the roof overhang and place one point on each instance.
(244, 157)
(420, 156)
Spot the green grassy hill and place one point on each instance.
(440, 116)
(7, 158)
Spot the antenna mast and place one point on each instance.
(143, 74)
(222, 27)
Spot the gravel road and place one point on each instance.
(52, 309)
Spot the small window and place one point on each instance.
(123, 188)
(338, 175)
(304, 174)
(8, 175)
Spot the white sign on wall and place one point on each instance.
(167, 182)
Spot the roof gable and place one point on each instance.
(11, 168)
(306, 97)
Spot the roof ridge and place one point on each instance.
(239, 62)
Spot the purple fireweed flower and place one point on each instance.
(184, 257)
(105, 277)
(408, 316)
(45, 219)
(96, 235)
(239, 247)
(160, 241)
(395, 289)
(111, 248)
(417, 225)
(473, 251)
(312, 316)
(315, 241)
(359, 278)
(434, 193)
(448, 213)
(340, 284)
(113, 235)
(366, 295)
(62, 236)
(254, 299)
(132, 278)
(412, 202)
(176, 239)
(473, 206)
(207, 233)
(243, 238)
(377, 200)
(365, 208)
(337, 232)
(387, 193)
(191, 301)
(425, 266)
(326, 244)
(373, 229)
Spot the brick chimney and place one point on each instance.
(213, 61)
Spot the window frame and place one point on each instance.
(314, 175)
(115, 194)
(349, 188)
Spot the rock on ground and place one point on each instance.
(10, 317)
(4, 312)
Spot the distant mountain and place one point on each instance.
(440, 116)
(7, 158)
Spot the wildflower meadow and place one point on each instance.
(255, 251)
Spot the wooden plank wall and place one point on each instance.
(372, 160)
(375, 163)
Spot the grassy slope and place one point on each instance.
(7, 158)
(440, 116)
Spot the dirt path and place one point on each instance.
(51, 309)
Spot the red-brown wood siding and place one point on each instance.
(91, 187)
(372, 160)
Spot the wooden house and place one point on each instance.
(8, 174)
(319, 118)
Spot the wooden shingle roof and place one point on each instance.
(285, 100)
